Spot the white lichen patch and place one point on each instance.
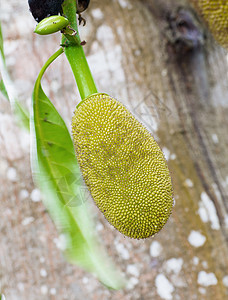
(97, 14)
(55, 86)
(112, 64)
(195, 260)
(27, 221)
(164, 72)
(99, 226)
(137, 52)
(202, 291)
(174, 265)
(11, 174)
(133, 270)
(214, 138)
(173, 156)
(113, 58)
(43, 273)
(166, 153)
(35, 195)
(44, 289)
(42, 259)
(125, 4)
(23, 194)
(20, 286)
(85, 280)
(225, 280)
(52, 291)
(206, 279)
(164, 287)
(188, 183)
(211, 211)
(155, 249)
(61, 242)
(203, 213)
(104, 32)
(131, 283)
(196, 239)
(205, 264)
(122, 251)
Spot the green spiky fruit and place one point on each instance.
(123, 167)
(215, 13)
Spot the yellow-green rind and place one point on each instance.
(123, 166)
(215, 13)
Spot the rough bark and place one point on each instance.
(159, 60)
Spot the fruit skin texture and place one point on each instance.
(215, 13)
(123, 166)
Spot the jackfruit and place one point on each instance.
(123, 167)
(215, 13)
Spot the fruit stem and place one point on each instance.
(48, 62)
(75, 53)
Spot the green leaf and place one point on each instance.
(3, 90)
(1, 43)
(56, 171)
(22, 115)
(7, 89)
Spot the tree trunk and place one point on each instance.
(159, 60)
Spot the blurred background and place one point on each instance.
(160, 61)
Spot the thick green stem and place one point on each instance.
(75, 53)
(81, 71)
